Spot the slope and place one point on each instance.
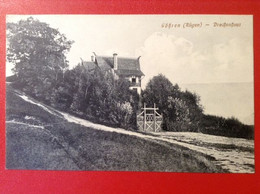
(38, 137)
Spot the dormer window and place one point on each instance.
(134, 80)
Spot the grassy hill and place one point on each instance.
(40, 139)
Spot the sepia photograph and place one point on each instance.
(153, 93)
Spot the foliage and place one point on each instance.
(110, 101)
(97, 96)
(230, 127)
(158, 89)
(62, 145)
(38, 53)
(180, 110)
(41, 70)
(192, 101)
(62, 92)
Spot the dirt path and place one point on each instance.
(26, 124)
(232, 154)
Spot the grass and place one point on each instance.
(59, 145)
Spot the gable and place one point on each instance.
(105, 63)
(126, 66)
(89, 65)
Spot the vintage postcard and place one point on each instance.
(164, 93)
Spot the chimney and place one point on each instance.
(138, 66)
(115, 61)
(92, 58)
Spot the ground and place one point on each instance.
(39, 137)
(232, 154)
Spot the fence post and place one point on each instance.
(154, 117)
(144, 116)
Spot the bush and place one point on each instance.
(230, 127)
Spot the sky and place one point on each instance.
(195, 49)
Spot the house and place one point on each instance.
(121, 67)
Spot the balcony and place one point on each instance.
(134, 84)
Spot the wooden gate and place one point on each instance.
(149, 119)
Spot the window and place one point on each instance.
(133, 80)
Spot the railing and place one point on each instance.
(149, 121)
(135, 84)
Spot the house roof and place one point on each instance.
(89, 65)
(126, 66)
(128, 72)
(105, 63)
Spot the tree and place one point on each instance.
(38, 53)
(157, 91)
(99, 97)
(110, 100)
(192, 101)
(81, 82)
(181, 110)
(178, 115)
(63, 92)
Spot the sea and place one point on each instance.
(226, 99)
